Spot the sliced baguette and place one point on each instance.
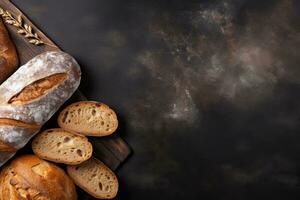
(95, 178)
(61, 146)
(89, 118)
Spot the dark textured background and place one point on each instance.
(207, 92)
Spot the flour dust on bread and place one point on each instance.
(89, 118)
(61, 146)
(43, 105)
(29, 177)
(33, 94)
(95, 178)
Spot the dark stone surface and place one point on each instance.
(207, 91)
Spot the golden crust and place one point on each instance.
(8, 54)
(28, 177)
(6, 147)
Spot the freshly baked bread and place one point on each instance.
(28, 177)
(6, 148)
(89, 118)
(8, 54)
(95, 178)
(61, 146)
(32, 95)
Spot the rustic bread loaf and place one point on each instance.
(28, 177)
(95, 178)
(89, 118)
(32, 95)
(8, 54)
(61, 146)
(6, 147)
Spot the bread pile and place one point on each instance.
(28, 99)
(31, 177)
(69, 145)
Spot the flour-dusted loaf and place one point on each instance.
(95, 178)
(32, 95)
(89, 118)
(30, 178)
(61, 146)
(8, 54)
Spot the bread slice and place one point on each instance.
(61, 146)
(95, 178)
(89, 118)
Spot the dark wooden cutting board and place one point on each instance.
(112, 150)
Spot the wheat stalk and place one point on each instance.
(23, 28)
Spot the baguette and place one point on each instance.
(95, 178)
(32, 95)
(60, 146)
(89, 118)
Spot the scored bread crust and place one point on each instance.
(40, 109)
(6, 147)
(28, 177)
(64, 141)
(80, 105)
(83, 174)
